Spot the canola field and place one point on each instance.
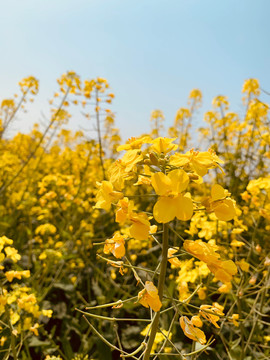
(154, 248)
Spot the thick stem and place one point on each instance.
(161, 282)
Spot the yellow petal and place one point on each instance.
(163, 145)
(139, 231)
(179, 159)
(179, 180)
(199, 169)
(191, 331)
(173, 260)
(154, 303)
(243, 265)
(140, 227)
(225, 211)
(151, 289)
(229, 266)
(204, 158)
(149, 296)
(222, 275)
(161, 183)
(184, 208)
(119, 250)
(165, 209)
(196, 321)
(217, 192)
(142, 298)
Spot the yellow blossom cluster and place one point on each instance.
(18, 304)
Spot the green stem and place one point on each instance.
(161, 282)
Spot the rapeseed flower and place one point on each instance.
(149, 297)
(115, 245)
(213, 318)
(171, 203)
(191, 331)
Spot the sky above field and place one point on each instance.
(152, 52)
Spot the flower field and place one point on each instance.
(154, 248)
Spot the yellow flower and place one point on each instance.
(211, 317)
(121, 169)
(200, 162)
(202, 250)
(149, 296)
(225, 288)
(47, 313)
(220, 101)
(29, 83)
(171, 202)
(196, 321)
(251, 86)
(5, 241)
(202, 293)
(181, 114)
(116, 246)
(12, 253)
(3, 301)
(222, 206)
(125, 207)
(140, 227)
(134, 143)
(10, 275)
(196, 95)
(130, 159)
(234, 319)
(3, 340)
(45, 229)
(106, 195)
(14, 317)
(172, 259)
(222, 269)
(243, 265)
(34, 328)
(237, 243)
(162, 145)
(191, 331)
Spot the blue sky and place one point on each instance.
(152, 52)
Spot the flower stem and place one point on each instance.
(161, 282)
